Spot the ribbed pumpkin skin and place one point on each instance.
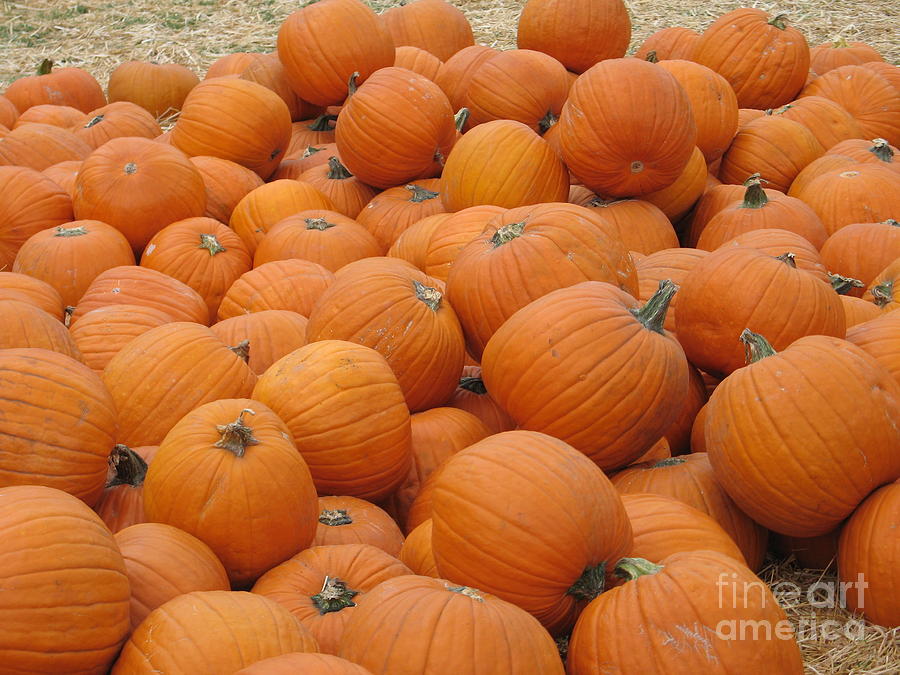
(226, 182)
(413, 243)
(59, 423)
(488, 635)
(866, 151)
(309, 664)
(576, 33)
(547, 362)
(368, 524)
(254, 510)
(827, 120)
(348, 193)
(503, 163)
(613, 144)
(880, 339)
(232, 64)
(417, 60)
(678, 434)
(8, 112)
(102, 332)
(508, 476)
(64, 174)
(777, 242)
(115, 120)
(736, 288)
(203, 254)
(31, 203)
(351, 423)
(122, 505)
(858, 310)
(294, 583)
(22, 325)
(690, 479)
(666, 623)
(433, 25)
(163, 374)
(766, 65)
(417, 553)
(663, 525)
(779, 479)
(81, 617)
(830, 55)
(159, 88)
(356, 40)
(394, 127)
(869, 549)
(293, 285)
(33, 291)
(234, 119)
(457, 71)
(138, 186)
(64, 86)
(525, 253)
(39, 146)
(135, 285)
(473, 397)
(63, 116)
(710, 203)
(70, 256)
(164, 562)
(386, 304)
(269, 72)
(212, 631)
(670, 263)
(672, 43)
(390, 213)
(272, 333)
(887, 282)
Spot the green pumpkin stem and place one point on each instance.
(318, 224)
(79, 231)
(653, 313)
(420, 194)
(883, 293)
(843, 285)
(334, 596)
(756, 347)
(789, 259)
(322, 123)
(94, 121)
(45, 67)
(310, 151)
(507, 233)
(430, 296)
(779, 22)
(754, 196)
(652, 56)
(840, 43)
(125, 467)
(211, 244)
(546, 122)
(336, 170)
(335, 517)
(668, 461)
(236, 436)
(882, 150)
(460, 119)
(590, 584)
(630, 569)
(473, 384)
(242, 349)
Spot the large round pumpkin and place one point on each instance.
(272, 333)
(159, 88)
(433, 25)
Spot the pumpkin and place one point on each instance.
(830, 55)
(55, 115)
(114, 121)
(269, 334)
(349, 520)
(232, 64)
(322, 586)
(354, 40)
(32, 291)
(647, 152)
(764, 59)
(473, 397)
(577, 34)
(452, 236)
(81, 624)
(122, 503)
(876, 151)
(433, 25)
(412, 245)
(392, 212)
(503, 163)
(226, 183)
(311, 664)
(8, 112)
(242, 488)
(417, 553)
(483, 628)
(632, 627)
(676, 200)
(219, 631)
(268, 71)
(294, 285)
(525, 253)
(386, 304)
(38, 146)
(417, 60)
(69, 257)
(457, 71)
(827, 163)
(713, 200)
(673, 264)
(736, 288)
(102, 332)
(777, 478)
(862, 250)
(311, 132)
(64, 86)
(678, 435)
(138, 186)
(159, 88)
(827, 120)
(777, 242)
(164, 562)
(203, 254)
(168, 371)
(64, 174)
(348, 193)
(234, 119)
(134, 285)
(867, 554)
(58, 423)
(22, 325)
(858, 310)
(672, 43)
(351, 423)
(886, 70)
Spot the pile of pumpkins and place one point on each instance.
(399, 354)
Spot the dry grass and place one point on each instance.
(99, 34)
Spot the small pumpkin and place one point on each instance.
(294, 285)
(349, 520)
(273, 333)
(159, 88)
(64, 86)
(122, 503)
(433, 25)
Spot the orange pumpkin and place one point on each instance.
(32, 291)
(22, 325)
(457, 71)
(64, 86)
(433, 25)
(295, 285)
(114, 121)
(417, 60)
(122, 503)
(392, 212)
(159, 88)
(269, 335)
(417, 553)
(349, 520)
(226, 182)
(473, 397)
(41, 145)
(673, 43)
(102, 332)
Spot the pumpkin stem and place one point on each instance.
(590, 584)
(788, 259)
(318, 224)
(562, 646)
(334, 596)
(131, 168)
(473, 384)
(95, 120)
(310, 151)
(467, 591)
(599, 202)
(70, 231)
(779, 22)
(125, 467)
(841, 42)
(507, 233)
(882, 150)
(756, 347)
(883, 293)
(352, 85)
(439, 156)
(336, 170)
(67, 313)
(335, 517)
(236, 436)
(754, 196)
(420, 194)
(546, 122)
(460, 119)
(211, 244)
(45, 67)
(668, 461)
(630, 569)
(323, 122)
(652, 56)
(242, 349)
(843, 285)
(430, 296)
(653, 313)
(892, 222)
